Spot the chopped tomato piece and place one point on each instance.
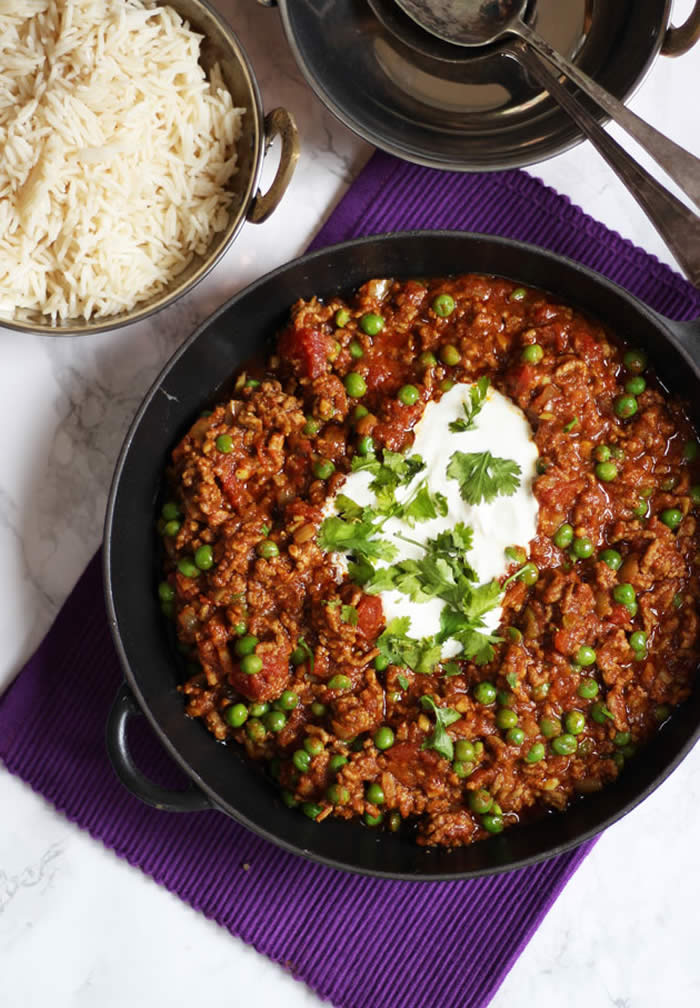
(306, 350)
(270, 681)
(370, 616)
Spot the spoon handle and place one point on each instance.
(682, 166)
(676, 223)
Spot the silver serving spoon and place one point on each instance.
(478, 22)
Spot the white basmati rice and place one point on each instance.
(115, 154)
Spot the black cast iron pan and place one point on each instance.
(221, 776)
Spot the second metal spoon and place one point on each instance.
(478, 22)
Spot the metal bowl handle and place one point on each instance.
(679, 40)
(122, 761)
(278, 123)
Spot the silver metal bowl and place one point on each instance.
(220, 45)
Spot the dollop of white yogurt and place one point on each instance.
(500, 428)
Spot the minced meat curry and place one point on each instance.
(290, 653)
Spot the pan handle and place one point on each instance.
(278, 123)
(679, 40)
(122, 761)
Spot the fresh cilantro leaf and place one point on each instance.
(477, 396)
(398, 648)
(512, 679)
(377, 581)
(357, 536)
(454, 542)
(402, 681)
(427, 657)
(482, 476)
(422, 505)
(440, 741)
(348, 614)
(392, 642)
(451, 668)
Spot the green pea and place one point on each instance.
(582, 547)
(313, 745)
(255, 730)
(462, 769)
(408, 395)
(289, 800)
(671, 517)
(355, 385)
(336, 762)
(245, 645)
(188, 567)
(519, 294)
(532, 354)
(267, 549)
(323, 469)
(611, 558)
(443, 305)
(635, 386)
(480, 801)
(204, 558)
(166, 592)
(365, 446)
(446, 385)
(600, 713)
(275, 720)
(535, 753)
(541, 690)
(485, 693)
(638, 640)
(606, 471)
(168, 609)
(311, 810)
(516, 553)
(550, 727)
(371, 324)
(224, 444)
(298, 656)
(374, 794)
(170, 511)
(504, 698)
(625, 406)
(381, 662)
(601, 453)
(624, 594)
(564, 536)
(616, 452)
(690, 451)
(384, 737)
(338, 794)
(301, 760)
(356, 351)
(516, 736)
(342, 317)
(258, 709)
(171, 529)
(662, 712)
(318, 709)
(564, 745)
(450, 355)
(585, 655)
(529, 574)
(588, 689)
(622, 738)
(311, 427)
(575, 722)
(506, 718)
(635, 361)
(288, 700)
(374, 820)
(339, 681)
(240, 629)
(514, 635)
(236, 715)
(493, 823)
(251, 664)
(640, 510)
(464, 751)
(427, 359)
(670, 483)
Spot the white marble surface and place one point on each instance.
(79, 927)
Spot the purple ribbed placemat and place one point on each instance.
(362, 943)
